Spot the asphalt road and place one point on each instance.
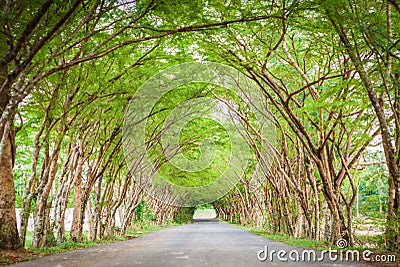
(202, 243)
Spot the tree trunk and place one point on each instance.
(40, 235)
(64, 189)
(9, 237)
(76, 234)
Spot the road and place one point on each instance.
(202, 243)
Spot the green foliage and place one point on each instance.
(191, 137)
(184, 215)
(87, 102)
(205, 206)
(373, 189)
(143, 215)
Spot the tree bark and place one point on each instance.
(9, 237)
(76, 234)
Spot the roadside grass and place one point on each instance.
(297, 242)
(68, 245)
(372, 243)
(367, 242)
(31, 253)
(134, 232)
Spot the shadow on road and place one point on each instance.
(205, 220)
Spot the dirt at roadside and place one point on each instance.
(13, 256)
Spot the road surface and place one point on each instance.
(202, 243)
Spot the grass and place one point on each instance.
(321, 245)
(140, 231)
(31, 253)
(316, 244)
(297, 242)
(69, 245)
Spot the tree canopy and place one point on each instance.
(327, 72)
